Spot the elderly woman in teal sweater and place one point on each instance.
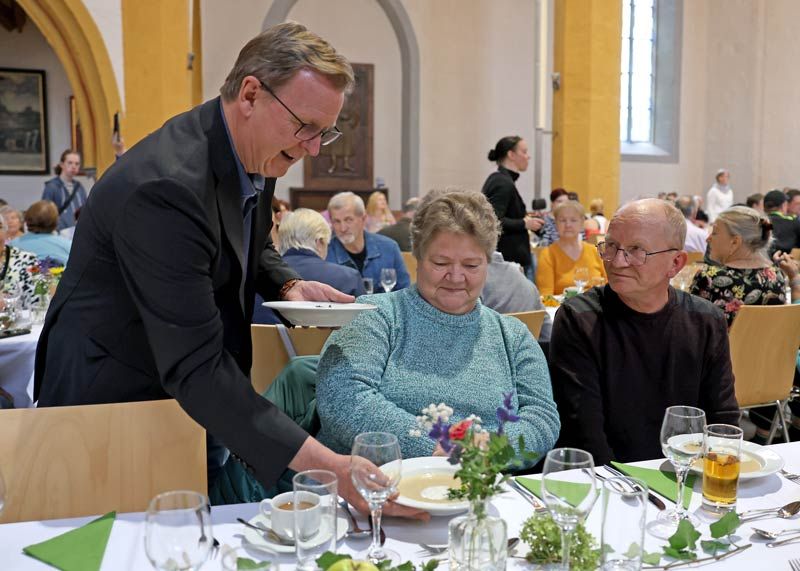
(435, 342)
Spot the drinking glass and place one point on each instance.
(581, 277)
(376, 485)
(12, 295)
(178, 532)
(722, 457)
(624, 502)
(388, 279)
(369, 287)
(568, 497)
(315, 529)
(682, 443)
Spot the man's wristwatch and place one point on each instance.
(286, 287)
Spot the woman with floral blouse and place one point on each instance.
(746, 275)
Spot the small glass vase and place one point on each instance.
(477, 540)
(39, 309)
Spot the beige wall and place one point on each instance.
(477, 77)
(739, 101)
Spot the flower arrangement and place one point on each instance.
(46, 274)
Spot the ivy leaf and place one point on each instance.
(245, 563)
(430, 565)
(711, 547)
(651, 558)
(633, 551)
(385, 565)
(327, 559)
(407, 566)
(725, 526)
(685, 537)
(679, 554)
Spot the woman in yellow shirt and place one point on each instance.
(557, 262)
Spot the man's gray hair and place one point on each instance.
(301, 229)
(345, 199)
(411, 205)
(686, 205)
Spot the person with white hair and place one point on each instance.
(720, 195)
(695, 236)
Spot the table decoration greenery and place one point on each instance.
(543, 536)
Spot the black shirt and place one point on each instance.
(785, 231)
(359, 258)
(615, 370)
(509, 207)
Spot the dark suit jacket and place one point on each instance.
(153, 303)
(514, 242)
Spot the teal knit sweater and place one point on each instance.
(378, 372)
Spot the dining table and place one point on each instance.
(125, 549)
(17, 355)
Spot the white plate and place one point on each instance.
(261, 540)
(431, 465)
(769, 461)
(318, 313)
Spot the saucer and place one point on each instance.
(261, 540)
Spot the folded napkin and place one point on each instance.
(81, 549)
(573, 492)
(664, 483)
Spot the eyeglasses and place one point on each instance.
(634, 256)
(307, 132)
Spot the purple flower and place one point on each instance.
(507, 400)
(455, 455)
(440, 432)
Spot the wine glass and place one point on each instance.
(178, 532)
(388, 279)
(368, 286)
(376, 485)
(682, 443)
(569, 497)
(581, 277)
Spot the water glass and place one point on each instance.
(581, 277)
(722, 460)
(369, 287)
(388, 279)
(624, 502)
(178, 531)
(315, 533)
(569, 497)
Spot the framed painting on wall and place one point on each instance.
(23, 121)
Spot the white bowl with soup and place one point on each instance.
(425, 483)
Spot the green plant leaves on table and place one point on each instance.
(726, 525)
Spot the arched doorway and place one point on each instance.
(72, 33)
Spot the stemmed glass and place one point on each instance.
(178, 532)
(682, 443)
(569, 498)
(376, 485)
(388, 279)
(581, 277)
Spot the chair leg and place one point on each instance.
(773, 429)
(784, 424)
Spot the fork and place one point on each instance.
(794, 564)
(789, 475)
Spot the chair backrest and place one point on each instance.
(270, 355)
(411, 266)
(533, 319)
(694, 257)
(764, 342)
(75, 461)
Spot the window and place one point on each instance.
(638, 73)
(650, 79)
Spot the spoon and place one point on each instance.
(774, 534)
(274, 537)
(356, 532)
(786, 511)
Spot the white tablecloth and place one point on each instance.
(126, 545)
(16, 366)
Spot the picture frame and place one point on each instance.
(23, 122)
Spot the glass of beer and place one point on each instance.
(722, 458)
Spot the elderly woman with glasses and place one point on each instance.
(436, 342)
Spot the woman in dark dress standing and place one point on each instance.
(511, 156)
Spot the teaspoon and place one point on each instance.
(774, 534)
(786, 511)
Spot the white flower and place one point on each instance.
(415, 433)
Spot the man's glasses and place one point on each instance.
(634, 256)
(307, 132)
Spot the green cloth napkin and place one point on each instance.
(664, 483)
(81, 549)
(573, 492)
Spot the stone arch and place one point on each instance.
(410, 98)
(72, 33)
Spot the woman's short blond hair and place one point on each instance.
(301, 229)
(275, 55)
(372, 202)
(569, 206)
(457, 211)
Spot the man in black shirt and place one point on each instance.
(785, 228)
(622, 353)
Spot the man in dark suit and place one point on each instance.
(174, 243)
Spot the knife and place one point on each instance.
(527, 494)
(652, 498)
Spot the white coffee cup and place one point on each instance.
(282, 518)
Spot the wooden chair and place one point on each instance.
(76, 461)
(270, 355)
(411, 266)
(533, 319)
(764, 342)
(694, 257)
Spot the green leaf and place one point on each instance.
(651, 558)
(328, 558)
(725, 526)
(711, 547)
(633, 551)
(685, 536)
(245, 563)
(679, 554)
(385, 565)
(431, 565)
(407, 566)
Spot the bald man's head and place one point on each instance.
(657, 214)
